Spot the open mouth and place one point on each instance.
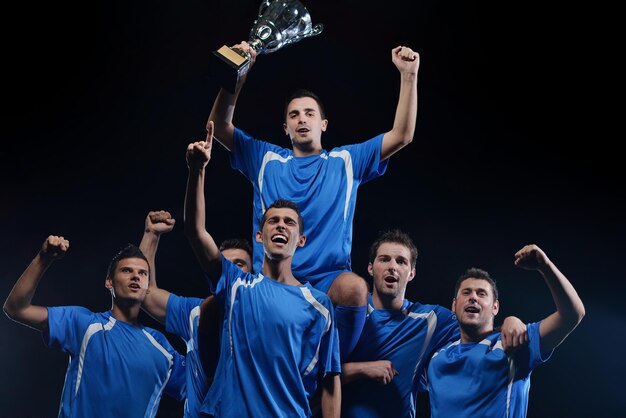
(279, 239)
(391, 280)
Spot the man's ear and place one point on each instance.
(412, 275)
(324, 125)
(285, 129)
(259, 236)
(301, 241)
(108, 283)
(496, 308)
(370, 269)
(453, 308)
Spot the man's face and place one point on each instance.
(280, 233)
(304, 123)
(239, 257)
(130, 279)
(474, 304)
(391, 271)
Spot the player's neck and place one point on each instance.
(128, 313)
(280, 271)
(473, 335)
(387, 303)
(308, 149)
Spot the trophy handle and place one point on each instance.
(264, 5)
(315, 30)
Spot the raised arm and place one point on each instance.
(224, 105)
(569, 308)
(401, 134)
(157, 223)
(18, 305)
(204, 247)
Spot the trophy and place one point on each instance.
(279, 23)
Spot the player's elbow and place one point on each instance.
(12, 310)
(574, 316)
(191, 231)
(580, 312)
(406, 139)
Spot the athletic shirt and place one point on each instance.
(324, 187)
(479, 380)
(116, 369)
(182, 319)
(278, 341)
(407, 338)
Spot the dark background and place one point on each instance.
(101, 100)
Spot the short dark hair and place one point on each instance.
(300, 93)
(283, 203)
(396, 236)
(237, 243)
(476, 273)
(128, 251)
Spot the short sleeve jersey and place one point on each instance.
(480, 380)
(278, 340)
(116, 369)
(182, 319)
(407, 338)
(324, 187)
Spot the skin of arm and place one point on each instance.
(204, 247)
(401, 134)
(569, 307)
(157, 223)
(18, 304)
(224, 105)
(382, 371)
(331, 396)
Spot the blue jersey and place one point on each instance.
(324, 186)
(278, 341)
(116, 369)
(407, 338)
(182, 319)
(480, 380)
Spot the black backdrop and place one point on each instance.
(101, 99)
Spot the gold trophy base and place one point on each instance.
(227, 66)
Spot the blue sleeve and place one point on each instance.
(178, 314)
(230, 273)
(527, 359)
(248, 152)
(66, 327)
(329, 350)
(365, 158)
(176, 385)
(447, 329)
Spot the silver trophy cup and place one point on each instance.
(279, 23)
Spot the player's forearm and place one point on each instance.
(353, 371)
(568, 304)
(406, 110)
(202, 243)
(23, 291)
(222, 115)
(403, 130)
(331, 397)
(148, 246)
(194, 204)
